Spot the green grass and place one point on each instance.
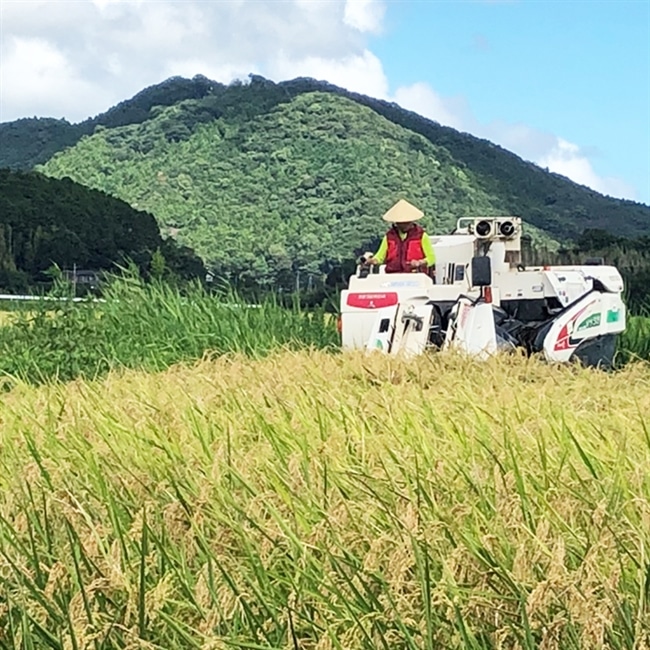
(150, 327)
(634, 342)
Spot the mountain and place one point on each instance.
(267, 180)
(27, 142)
(289, 189)
(46, 221)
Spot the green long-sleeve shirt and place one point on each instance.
(427, 249)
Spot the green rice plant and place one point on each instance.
(634, 342)
(151, 327)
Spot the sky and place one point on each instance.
(562, 83)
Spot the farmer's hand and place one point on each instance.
(417, 263)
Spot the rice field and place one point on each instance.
(186, 471)
(318, 501)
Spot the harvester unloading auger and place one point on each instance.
(483, 300)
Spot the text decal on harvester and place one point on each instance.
(372, 300)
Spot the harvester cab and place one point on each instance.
(482, 299)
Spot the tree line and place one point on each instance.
(46, 222)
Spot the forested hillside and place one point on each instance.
(45, 221)
(548, 200)
(298, 188)
(278, 184)
(32, 141)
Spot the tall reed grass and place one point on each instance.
(317, 501)
(634, 342)
(149, 326)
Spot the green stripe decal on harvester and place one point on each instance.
(590, 321)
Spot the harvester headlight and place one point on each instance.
(483, 228)
(507, 229)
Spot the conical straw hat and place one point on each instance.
(403, 212)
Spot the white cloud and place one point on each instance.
(567, 159)
(422, 99)
(42, 80)
(219, 72)
(111, 49)
(42, 17)
(364, 15)
(102, 5)
(362, 73)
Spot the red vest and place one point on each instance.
(401, 252)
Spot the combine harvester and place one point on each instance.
(484, 300)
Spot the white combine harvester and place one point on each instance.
(483, 300)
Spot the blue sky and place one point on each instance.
(565, 84)
(579, 70)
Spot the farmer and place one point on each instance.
(405, 248)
